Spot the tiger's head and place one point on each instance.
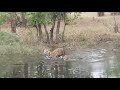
(47, 52)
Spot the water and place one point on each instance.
(87, 63)
(103, 63)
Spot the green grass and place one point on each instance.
(8, 38)
(11, 44)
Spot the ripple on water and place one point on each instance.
(99, 60)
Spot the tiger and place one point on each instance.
(59, 52)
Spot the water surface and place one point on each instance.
(86, 63)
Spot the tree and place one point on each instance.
(34, 20)
(67, 20)
(13, 21)
(115, 26)
(38, 19)
(24, 20)
(115, 13)
(59, 16)
(12, 17)
(100, 14)
(58, 26)
(53, 18)
(47, 34)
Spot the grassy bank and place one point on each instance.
(10, 44)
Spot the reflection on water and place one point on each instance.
(89, 63)
(40, 69)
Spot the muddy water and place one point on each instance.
(86, 63)
(103, 63)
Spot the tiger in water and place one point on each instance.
(59, 52)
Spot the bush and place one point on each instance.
(8, 38)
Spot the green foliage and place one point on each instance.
(68, 17)
(38, 17)
(3, 17)
(46, 17)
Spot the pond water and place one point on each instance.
(86, 63)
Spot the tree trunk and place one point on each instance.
(52, 29)
(13, 26)
(39, 31)
(18, 20)
(58, 28)
(47, 34)
(63, 33)
(13, 22)
(24, 21)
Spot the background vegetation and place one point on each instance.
(29, 32)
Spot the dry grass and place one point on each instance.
(86, 31)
